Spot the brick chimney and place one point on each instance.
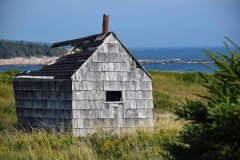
(105, 24)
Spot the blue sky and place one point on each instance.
(138, 23)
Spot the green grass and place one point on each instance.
(6, 77)
(169, 88)
(172, 88)
(23, 145)
(7, 107)
(19, 144)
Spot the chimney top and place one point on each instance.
(105, 24)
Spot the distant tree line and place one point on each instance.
(11, 49)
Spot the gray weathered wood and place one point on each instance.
(79, 103)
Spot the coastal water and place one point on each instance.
(195, 53)
(187, 53)
(22, 67)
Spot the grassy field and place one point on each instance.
(172, 88)
(7, 108)
(169, 90)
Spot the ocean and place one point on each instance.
(191, 54)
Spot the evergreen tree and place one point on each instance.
(213, 128)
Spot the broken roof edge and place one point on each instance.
(96, 37)
(115, 36)
(102, 38)
(129, 52)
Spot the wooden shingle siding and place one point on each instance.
(43, 103)
(71, 93)
(111, 68)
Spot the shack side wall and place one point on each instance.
(111, 68)
(43, 103)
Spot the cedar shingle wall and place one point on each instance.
(111, 69)
(81, 104)
(43, 103)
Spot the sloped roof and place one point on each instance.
(67, 65)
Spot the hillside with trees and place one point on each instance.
(11, 49)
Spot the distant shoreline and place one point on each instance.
(155, 61)
(27, 61)
(49, 60)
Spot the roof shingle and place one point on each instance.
(65, 66)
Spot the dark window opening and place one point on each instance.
(113, 96)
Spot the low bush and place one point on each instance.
(6, 77)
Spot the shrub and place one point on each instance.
(6, 77)
(213, 129)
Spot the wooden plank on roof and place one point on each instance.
(87, 45)
(69, 42)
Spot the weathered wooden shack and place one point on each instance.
(99, 84)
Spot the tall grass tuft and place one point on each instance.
(142, 144)
(42, 145)
(7, 107)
